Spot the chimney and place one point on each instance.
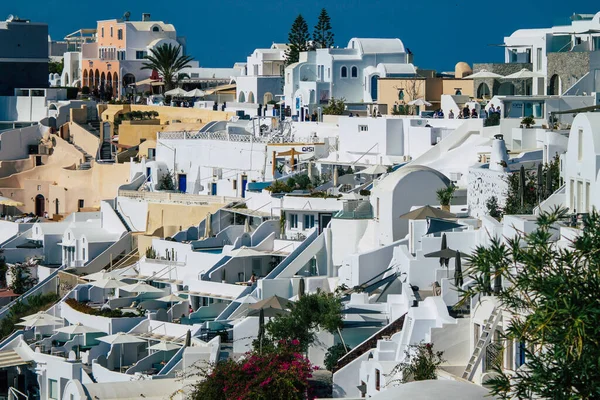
(146, 17)
(499, 155)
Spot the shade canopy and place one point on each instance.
(246, 252)
(35, 322)
(437, 225)
(108, 283)
(445, 253)
(164, 346)
(5, 201)
(484, 74)
(524, 74)
(172, 298)
(247, 299)
(268, 312)
(41, 314)
(176, 92)
(272, 302)
(373, 170)
(140, 287)
(194, 93)
(97, 276)
(120, 338)
(427, 212)
(419, 102)
(77, 329)
(150, 81)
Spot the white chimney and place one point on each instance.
(499, 155)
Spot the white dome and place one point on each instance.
(438, 389)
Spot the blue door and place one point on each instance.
(148, 174)
(244, 184)
(213, 188)
(374, 89)
(182, 183)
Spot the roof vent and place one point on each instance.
(146, 17)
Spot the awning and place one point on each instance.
(435, 225)
(10, 358)
(221, 88)
(248, 212)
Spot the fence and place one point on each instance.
(181, 198)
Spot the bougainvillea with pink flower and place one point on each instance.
(280, 372)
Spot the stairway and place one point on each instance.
(123, 220)
(87, 163)
(484, 340)
(93, 126)
(106, 151)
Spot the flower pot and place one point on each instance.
(446, 207)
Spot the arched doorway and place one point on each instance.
(40, 205)
(374, 89)
(506, 89)
(250, 97)
(97, 79)
(483, 91)
(85, 78)
(242, 98)
(554, 89)
(115, 84)
(103, 81)
(91, 79)
(66, 82)
(267, 97)
(57, 203)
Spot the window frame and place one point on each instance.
(354, 72)
(344, 72)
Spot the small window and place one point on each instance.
(140, 55)
(81, 202)
(102, 32)
(328, 73)
(234, 184)
(156, 29)
(377, 379)
(401, 94)
(120, 34)
(580, 145)
(363, 128)
(111, 31)
(53, 389)
(309, 221)
(83, 254)
(293, 221)
(354, 72)
(344, 72)
(39, 187)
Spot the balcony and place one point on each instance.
(355, 209)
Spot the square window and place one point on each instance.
(294, 221)
(53, 389)
(363, 128)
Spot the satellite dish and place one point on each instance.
(10, 18)
(126, 16)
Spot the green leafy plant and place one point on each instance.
(56, 67)
(334, 353)
(528, 122)
(444, 195)
(364, 192)
(493, 209)
(312, 311)
(167, 181)
(323, 37)
(33, 304)
(335, 107)
(551, 295)
(85, 90)
(168, 61)
(421, 363)
(151, 253)
(22, 280)
(493, 119)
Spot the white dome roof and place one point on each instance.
(438, 389)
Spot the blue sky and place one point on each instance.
(221, 32)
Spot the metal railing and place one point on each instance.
(183, 198)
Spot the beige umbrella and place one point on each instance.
(5, 201)
(335, 176)
(108, 283)
(171, 298)
(419, 102)
(194, 93)
(41, 314)
(484, 74)
(37, 322)
(140, 287)
(120, 338)
(427, 212)
(177, 92)
(164, 346)
(97, 276)
(77, 329)
(524, 74)
(207, 226)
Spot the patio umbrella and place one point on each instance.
(164, 346)
(274, 302)
(171, 298)
(5, 201)
(524, 74)
(77, 329)
(484, 74)
(444, 253)
(37, 322)
(301, 288)
(427, 212)
(247, 299)
(40, 315)
(108, 283)
(140, 287)
(437, 225)
(120, 338)
(336, 176)
(194, 93)
(373, 170)
(96, 276)
(419, 102)
(177, 92)
(458, 276)
(268, 312)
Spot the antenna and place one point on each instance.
(126, 16)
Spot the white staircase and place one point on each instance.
(484, 340)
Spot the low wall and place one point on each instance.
(15, 166)
(84, 139)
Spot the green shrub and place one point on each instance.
(334, 353)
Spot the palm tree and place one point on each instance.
(167, 60)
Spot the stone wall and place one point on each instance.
(482, 184)
(569, 67)
(503, 69)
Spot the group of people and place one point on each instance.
(467, 113)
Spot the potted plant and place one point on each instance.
(528, 122)
(445, 195)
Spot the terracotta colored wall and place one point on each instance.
(465, 85)
(173, 218)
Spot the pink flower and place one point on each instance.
(295, 342)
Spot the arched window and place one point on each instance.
(401, 94)
(483, 91)
(242, 98)
(354, 72)
(156, 29)
(344, 72)
(458, 92)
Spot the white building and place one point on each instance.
(262, 77)
(350, 73)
